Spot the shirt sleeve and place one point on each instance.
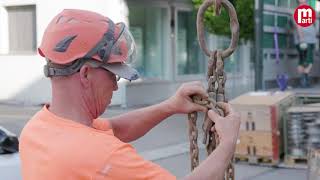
(124, 163)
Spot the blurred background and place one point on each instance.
(168, 55)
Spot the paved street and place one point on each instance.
(166, 145)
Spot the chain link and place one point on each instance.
(217, 78)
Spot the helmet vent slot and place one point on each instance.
(63, 19)
(72, 21)
(63, 45)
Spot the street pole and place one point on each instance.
(258, 19)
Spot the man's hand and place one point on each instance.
(227, 127)
(218, 161)
(181, 102)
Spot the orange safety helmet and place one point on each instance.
(82, 36)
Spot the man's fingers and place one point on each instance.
(213, 115)
(196, 90)
(213, 129)
(200, 108)
(227, 109)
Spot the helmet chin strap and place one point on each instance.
(50, 71)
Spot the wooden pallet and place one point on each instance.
(296, 160)
(257, 160)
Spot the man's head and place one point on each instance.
(91, 89)
(84, 52)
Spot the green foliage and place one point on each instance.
(220, 25)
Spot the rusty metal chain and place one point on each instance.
(216, 77)
(193, 136)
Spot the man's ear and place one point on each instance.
(84, 73)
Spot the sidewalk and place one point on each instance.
(167, 145)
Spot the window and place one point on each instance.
(189, 57)
(293, 3)
(22, 29)
(271, 2)
(150, 29)
(283, 3)
(268, 19)
(283, 21)
(287, 3)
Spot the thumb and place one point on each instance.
(213, 115)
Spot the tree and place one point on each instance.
(220, 24)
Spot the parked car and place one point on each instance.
(9, 156)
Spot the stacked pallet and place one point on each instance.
(261, 126)
(302, 132)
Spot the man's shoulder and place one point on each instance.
(54, 135)
(31, 122)
(43, 125)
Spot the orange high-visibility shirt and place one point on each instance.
(54, 148)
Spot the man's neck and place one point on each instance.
(72, 110)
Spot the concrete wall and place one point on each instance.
(21, 76)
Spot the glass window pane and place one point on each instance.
(272, 2)
(149, 28)
(137, 33)
(283, 3)
(282, 40)
(268, 20)
(268, 41)
(189, 57)
(22, 17)
(293, 3)
(282, 21)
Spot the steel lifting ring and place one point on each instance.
(234, 25)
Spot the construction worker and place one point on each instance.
(85, 51)
(305, 40)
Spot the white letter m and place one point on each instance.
(304, 13)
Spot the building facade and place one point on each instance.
(165, 34)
